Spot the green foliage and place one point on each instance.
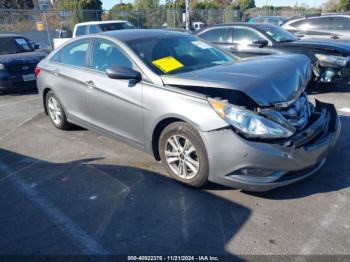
(344, 5)
(16, 4)
(207, 5)
(245, 4)
(232, 14)
(124, 12)
(81, 10)
(149, 12)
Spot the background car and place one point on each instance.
(325, 26)
(92, 27)
(330, 59)
(208, 115)
(272, 20)
(18, 59)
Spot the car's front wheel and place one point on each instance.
(183, 154)
(56, 112)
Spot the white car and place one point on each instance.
(94, 27)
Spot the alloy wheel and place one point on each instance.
(182, 156)
(55, 110)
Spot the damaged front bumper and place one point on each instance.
(257, 166)
(328, 73)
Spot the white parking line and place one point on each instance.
(345, 110)
(87, 244)
(19, 102)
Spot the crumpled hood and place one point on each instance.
(22, 58)
(267, 80)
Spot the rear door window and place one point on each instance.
(341, 23)
(217, 35)
(93, 29)
(245, 35)
(316, 23)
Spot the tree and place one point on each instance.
(16, 4)
(344, 5)
(331, 5)
(245, 4)
(148, 12)
(124, 12)
(81, 10)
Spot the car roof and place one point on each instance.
(318, 15)
(101, 22)
(135, 34)
(252, 25)
(269, 16)
(10, 35)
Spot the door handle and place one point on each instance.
(90, 84)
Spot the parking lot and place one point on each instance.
(77, 192)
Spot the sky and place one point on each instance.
(107, 4)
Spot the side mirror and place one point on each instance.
(122, 72)
(260, 42)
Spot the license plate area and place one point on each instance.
(29, 77)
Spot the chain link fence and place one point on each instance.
(43, 26)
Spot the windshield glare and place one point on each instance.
(178, 54)
(14, 45)
(278, 34)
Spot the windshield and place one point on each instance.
(278, 34)
(13, 45)
(178, 54)
(116, 26)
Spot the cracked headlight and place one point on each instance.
(247, 122)
(328, 60)
(2, 67)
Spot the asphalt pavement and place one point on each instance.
(77, 192)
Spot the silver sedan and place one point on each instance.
(207, 115)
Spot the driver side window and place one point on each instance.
(106, 54)
(245, 36)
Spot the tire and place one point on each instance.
(177, 134)
(59, 122)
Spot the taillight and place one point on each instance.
(37, 71)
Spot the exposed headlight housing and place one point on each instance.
(247, 122)
(2, 67)
(332, 60)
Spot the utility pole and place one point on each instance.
(187, 16)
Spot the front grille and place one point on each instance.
(291, 115)
(297, 114)
(21, 68)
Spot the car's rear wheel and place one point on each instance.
(56, 112)
(183, 154)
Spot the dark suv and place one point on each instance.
(325, 26)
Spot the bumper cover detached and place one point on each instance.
(256, 166)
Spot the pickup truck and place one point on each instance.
(92, 28)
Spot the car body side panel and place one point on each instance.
(116, 106)
(161, 103)
(68, 83)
